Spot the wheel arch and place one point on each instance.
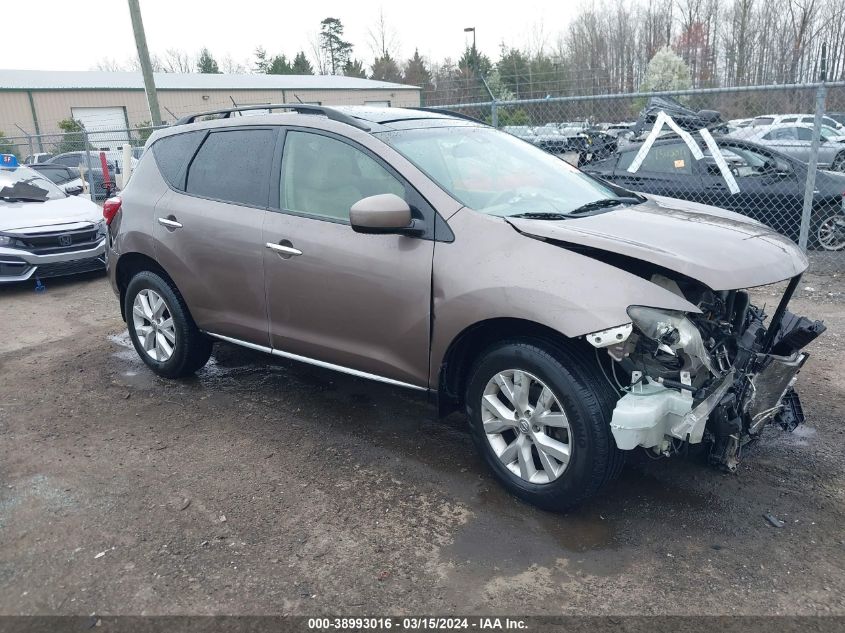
(130, 264)
(465, 348)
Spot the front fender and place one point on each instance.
(507, 274)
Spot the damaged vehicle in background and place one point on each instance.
(571, 319)
(45, 231)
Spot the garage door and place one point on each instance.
(106, 126)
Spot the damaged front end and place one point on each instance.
(717, 376)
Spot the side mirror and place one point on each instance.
(384, 213)
(74, 190)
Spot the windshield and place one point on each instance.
(27, 184)
(496, 173)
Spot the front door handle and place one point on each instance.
(170, 223)
(284, 249)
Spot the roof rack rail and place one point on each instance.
(458, 115)
(329, 113)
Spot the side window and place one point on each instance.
(789, 119)
(804, 134)
(234, 166)
(674, 158)
(324, 177)
(172, 154)
(781, 134)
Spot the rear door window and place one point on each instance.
(804, 134)
(234, 166)
(172, 154)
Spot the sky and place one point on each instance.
(79, 34)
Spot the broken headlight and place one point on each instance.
(673, 333)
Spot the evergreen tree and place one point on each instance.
(385, 68)
(261, 63)
(354, 68)
(301, 65)
(336, 51)
(279, 65)
(206, 63)
(417, 73)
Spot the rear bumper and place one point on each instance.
(20, 265)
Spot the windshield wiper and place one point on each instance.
(605, 203)
(540, 215)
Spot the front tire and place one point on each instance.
(161, 328)
(539, 416)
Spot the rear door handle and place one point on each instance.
(285, 249)
(170, 224)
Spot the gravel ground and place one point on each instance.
(266, 487)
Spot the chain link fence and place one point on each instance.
(773, 153)
(92, 158)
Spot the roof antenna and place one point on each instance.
(232, 99)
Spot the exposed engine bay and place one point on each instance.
(718, 377)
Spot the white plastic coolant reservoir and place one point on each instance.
(644, 415)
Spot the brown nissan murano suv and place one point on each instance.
(571, 319)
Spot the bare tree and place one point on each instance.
(108, 64)
(231, 67)
(176, 60)
(383, 40)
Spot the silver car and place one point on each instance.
(796, 139)
(44, 232)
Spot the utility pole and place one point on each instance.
(144, 59)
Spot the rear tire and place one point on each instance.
(161, 328)
(586, 402)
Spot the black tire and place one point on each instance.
(192, 348)
(588, 401)
(838, 163)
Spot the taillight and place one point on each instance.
(110, 209)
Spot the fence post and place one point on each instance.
(494, 114)
(812, 167)
(88, 172)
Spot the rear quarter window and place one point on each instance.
(172, 154)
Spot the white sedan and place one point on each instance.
(44, 232)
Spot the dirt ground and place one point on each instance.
(266, 487)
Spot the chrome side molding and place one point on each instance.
(318, 363)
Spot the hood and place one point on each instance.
(723, 250)
(25, 215)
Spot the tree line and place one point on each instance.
(606, 48)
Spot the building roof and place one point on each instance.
(102, 80)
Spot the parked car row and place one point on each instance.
(588, 142)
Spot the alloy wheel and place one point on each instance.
(153, 324)
(831, 233)
(526, 426)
